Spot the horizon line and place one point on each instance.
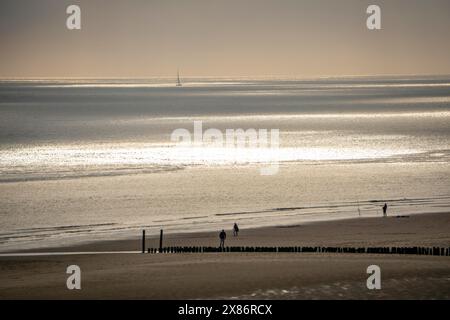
(296, 77)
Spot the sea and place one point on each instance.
(86, 160)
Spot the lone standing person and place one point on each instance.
(385, 210)
(235, 229)
(222, 237)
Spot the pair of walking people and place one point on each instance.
(223, 235)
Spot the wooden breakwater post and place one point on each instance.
(160, 241)
(143, 241)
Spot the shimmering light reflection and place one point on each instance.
(144, 155)
(445, 115)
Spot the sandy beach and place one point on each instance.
(321, 129)
(247, 275)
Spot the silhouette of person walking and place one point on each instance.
(385, 210)
(222, 237)
(235, 229)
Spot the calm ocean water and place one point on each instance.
(92, 159)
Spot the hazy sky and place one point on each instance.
(145, 38)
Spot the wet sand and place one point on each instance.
(248, 275)
(431, 229)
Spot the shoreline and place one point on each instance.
(403, 230)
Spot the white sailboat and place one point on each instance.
(178, 79)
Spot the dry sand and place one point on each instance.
(248, 275)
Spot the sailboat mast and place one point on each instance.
(178, 78)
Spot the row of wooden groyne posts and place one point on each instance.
(427, 251)
(435, 251)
